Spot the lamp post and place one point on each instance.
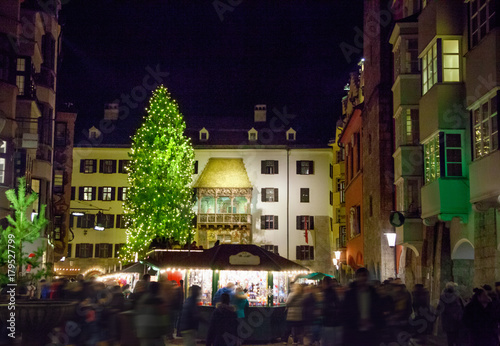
(391, 239)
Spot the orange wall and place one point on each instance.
(354, 188)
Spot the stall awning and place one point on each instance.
(314, 276)
(137, 268)
(224, 257)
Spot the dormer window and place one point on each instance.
(203, 134)
(291, 135)
(252, 135)
(94, 133)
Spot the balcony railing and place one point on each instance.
(213, 219)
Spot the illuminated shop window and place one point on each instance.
(485, 127)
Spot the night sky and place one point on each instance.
(279, 53)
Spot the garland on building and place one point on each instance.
(159, 202)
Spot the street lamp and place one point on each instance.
(391, 239)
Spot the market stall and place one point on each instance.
(266, 277)
(128, 275)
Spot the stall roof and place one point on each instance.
(224, 257)
(136, 268)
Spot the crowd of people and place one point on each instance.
(363, 313)
(374, 313)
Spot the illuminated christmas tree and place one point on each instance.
(159, 201)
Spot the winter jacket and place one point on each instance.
(240, 304)
(223, 329)
(452, 310)
(220, 292)
(294, 307)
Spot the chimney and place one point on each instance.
(111, 111)
(259, 113)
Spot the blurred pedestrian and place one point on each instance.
(190, 316)
(294, 314)
(332, 330)
(361, 311)
(479, 317)
(311, 313)
(421, 311)
(223, 328)
(452, 308)
(150, 317)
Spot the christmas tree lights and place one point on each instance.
(159, 201)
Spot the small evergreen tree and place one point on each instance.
(22, 230)
(159, 201)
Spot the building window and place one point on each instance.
(304, 221)
(429, 68)
(69, 254)
(58, 181)
(269, 167)
(370, 205)
(121, 221)
(269, 222)
(444, 54)
(305, 167)
(20, 84)
(57, 227)
(340, 155)
(481, 19)
(305, 253)
(291, 135)
(123, 166)
(118, 247)
(73, 193)
(204, 134)
(355, 221)
(122, 193)
(87, 193)
(340, 189)
(304, 195)
(406, 57)
(453, 154)
(84, 250)
(407, 132)
(106, 193)
(3, 157)
(271, 248)
(269, 195)
(107, 220)
(85, 221)
(252, 135)
(331, 171)
(485, 123)
(342, 237)
(451, 61)
(195, 170)
(88, 166)
(60, 134)
(107, 166)
(103, 250)
(432, 167)
(331, 198)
